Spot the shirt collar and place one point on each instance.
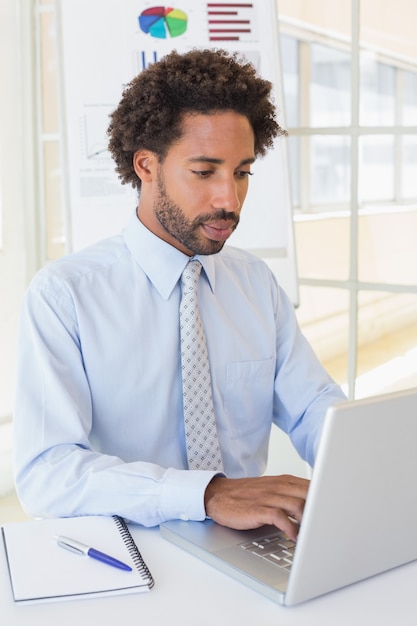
(162, 263)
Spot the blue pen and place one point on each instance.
(82, 549)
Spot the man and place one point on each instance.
(99, 420)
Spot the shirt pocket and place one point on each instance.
(248, 398)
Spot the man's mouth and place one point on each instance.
(219, 231)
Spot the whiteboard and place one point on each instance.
(103, 44)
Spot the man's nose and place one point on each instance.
(227, 196)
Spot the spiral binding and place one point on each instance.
(133, 550)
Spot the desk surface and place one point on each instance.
(182, 579)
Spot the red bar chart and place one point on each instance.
(230, 21)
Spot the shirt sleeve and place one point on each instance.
(58, 473)
(303, 389)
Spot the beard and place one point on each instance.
(188, 232)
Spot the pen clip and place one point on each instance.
(70, 544)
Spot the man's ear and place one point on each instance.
(145, 165)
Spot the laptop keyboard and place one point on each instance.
(275, 548)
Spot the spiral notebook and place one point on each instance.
(42, 571)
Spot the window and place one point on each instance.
(329, 86)
(51, 212)
(350, 107)
(376, 168)
(377, 93)
(409, 100)
(330, 170)
(388, 96)
(408, 171)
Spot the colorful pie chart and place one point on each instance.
(162, 22)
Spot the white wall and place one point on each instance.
(15, 185)
(283, 458)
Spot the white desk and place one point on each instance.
(213, 597)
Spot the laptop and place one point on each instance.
(360, 516)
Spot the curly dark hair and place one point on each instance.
(150, 113)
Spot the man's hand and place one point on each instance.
(245, 503)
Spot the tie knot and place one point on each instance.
(190, 275)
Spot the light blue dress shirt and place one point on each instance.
(98, 416)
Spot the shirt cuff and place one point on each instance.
(182, 494)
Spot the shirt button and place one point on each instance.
(184, 517)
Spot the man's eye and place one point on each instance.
(202, 173)
(243, 174)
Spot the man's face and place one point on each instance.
(200, 186)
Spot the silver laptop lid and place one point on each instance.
(360, 517)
